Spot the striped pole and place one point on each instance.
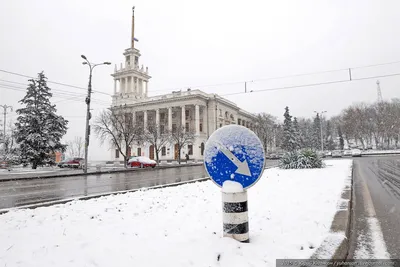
(235, 216)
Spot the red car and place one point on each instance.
(71, 163)
(141, 162)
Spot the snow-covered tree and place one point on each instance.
(329, 144)
(341, 140)
(289, 138)
(119, 129)
(180, 137)
(265, 130)
(316, 133)
(39, 129)
(155, 137)
(76, 147)
(297, 133)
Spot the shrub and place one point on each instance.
(304, 159)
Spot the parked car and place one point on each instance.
(71, 163)
(274, 156)
(347, 153)
(321, 154)
(328, 153)
(336, 154)
(141, 162)
(4, 164)
(356, 153)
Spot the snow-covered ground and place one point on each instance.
(366, 152)
(290, 214)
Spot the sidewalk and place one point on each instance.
(55, 172)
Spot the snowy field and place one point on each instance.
(290, 213)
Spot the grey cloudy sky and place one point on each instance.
(200, 43)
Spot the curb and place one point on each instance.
(57, 202)
(339, 234)
(93, 173)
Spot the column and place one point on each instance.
(132, 84)
(115, 86)
(125, 85)
(170, 118)
(137, 86)
(134, 119)
(183, 118)
(145, 119)
(140, 87)
(158, 120)
(197, 119)
(205, 119)
(146, 89)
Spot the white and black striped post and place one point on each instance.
(235, 216)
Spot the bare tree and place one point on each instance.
(117, 127)
(265, 129)
(76, 147)
(155, 137)
(181, 137)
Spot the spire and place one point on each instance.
(133, 28)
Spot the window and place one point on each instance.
(201, 127)
(190, 148)
(163, 151)
(162, 116)
(220, 112)
(226, 114)
(187, 113)
(220, 125)
(187, 127)
(129, 152)
(116, 153)
(202, 149)
(174, 128)
(139, 151)
(136, 61)
(162, 129)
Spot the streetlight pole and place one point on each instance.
(88, 114)
(320, 126)
(5, 107)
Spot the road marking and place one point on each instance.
(242, 166)
(373, 237)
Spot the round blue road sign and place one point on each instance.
(234, 153)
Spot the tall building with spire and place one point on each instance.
(195, 110)
(131, 79)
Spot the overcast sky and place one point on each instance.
(201, 43)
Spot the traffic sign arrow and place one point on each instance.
(242, 166)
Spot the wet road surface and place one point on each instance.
(25, 192)
(376, 205)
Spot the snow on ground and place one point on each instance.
(366, 152)
(370, 244)
(290, 214)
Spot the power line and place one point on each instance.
(313, 84)
(63, 84)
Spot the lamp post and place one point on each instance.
(88, 114)
(320, 126)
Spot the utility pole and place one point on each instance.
(5, 108)
(320, 126)
(88, 114)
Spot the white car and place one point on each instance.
(347, 153)
(356, 153)
(336, 154)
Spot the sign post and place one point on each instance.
(234, 158)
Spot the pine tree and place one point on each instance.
(39, 129)
(289, 139)
(341, 140)
(329, 144)
(316, 134)
(297, 134)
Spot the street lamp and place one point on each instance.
(320, 126)
(87, 100)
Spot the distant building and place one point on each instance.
(194, 109)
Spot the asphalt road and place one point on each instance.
(25, 192)
(377, 199)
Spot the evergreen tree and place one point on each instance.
(329, 144)
(39, 129)
(289, 139)
(297, 134)
(316, 133)
(341, 140)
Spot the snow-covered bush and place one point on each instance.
(304, 159)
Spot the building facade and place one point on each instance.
(195, 110)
